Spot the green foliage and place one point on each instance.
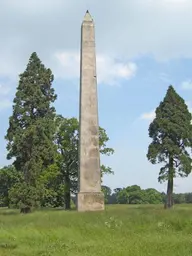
(107, 193)
(9, 176)
(152, 196)
(171, 133)
(180, 198)
(51, 185)
(25, 197)
(48, 180)
(66, 140)
(31, 126)
(123, 196)
(135, 195)
(188, 198)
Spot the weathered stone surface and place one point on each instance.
(90, 201)
(90, 197)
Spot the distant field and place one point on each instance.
(119, 231)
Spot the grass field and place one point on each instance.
(119, 231)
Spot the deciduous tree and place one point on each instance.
(9, 176)
(67, 139)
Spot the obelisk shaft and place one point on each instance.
(90, 197)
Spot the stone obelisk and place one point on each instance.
(90, 197)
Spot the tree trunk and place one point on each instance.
(67, 196)
(67, 200)
(25, 210)
(169, 200)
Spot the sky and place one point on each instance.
(142, 47)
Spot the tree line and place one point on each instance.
(43, 147)
(135, 195)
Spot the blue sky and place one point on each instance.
(143, 46)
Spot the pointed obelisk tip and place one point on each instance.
(87, 16)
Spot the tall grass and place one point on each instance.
(119, 230)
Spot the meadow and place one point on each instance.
(121, 230)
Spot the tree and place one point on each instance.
(136, 194)
(122, 196)
(117, 190)
(107, 193)
(171, 133)
(188, 198)
(130, 195)
(31, 129)
(152, 196)
(8, 178)
(67, 139)
(179, 198)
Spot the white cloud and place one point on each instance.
(186, 85)
(67, 65)
(148, 115)
(132, 28)
(109, 70)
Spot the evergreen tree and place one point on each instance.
(31, 129)
(171, 133)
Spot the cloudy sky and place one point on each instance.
(143, 46)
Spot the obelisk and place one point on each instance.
(90, 197)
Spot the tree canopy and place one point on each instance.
(31, 128)
(67, 140)
(42, 145)
(171, 134)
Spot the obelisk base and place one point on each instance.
(90, 201)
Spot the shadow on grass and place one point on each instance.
(57, 209)
(7, 246)
(7, 211)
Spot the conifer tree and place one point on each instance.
(31, 130)
(171, 133)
